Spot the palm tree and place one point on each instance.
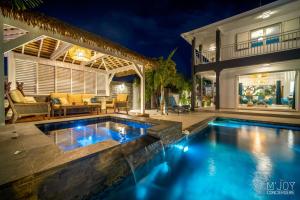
(165, 75)
(22, 4)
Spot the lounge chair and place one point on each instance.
(121, 102)
(177, 108)
(23, 106)
(110, 104)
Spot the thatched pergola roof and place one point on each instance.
(56, 26)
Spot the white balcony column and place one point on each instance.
(193, 93)
(297, 91)
(2, 111)
(142, 90)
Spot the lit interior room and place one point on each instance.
(271, 90)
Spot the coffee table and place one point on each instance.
(89, 106)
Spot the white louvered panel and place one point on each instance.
(63, 80)
(77, 81)
(26, 73)
(46, 79)
(90, 82)
(101, 84)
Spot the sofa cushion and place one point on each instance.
(17, 96)
(29, 100)
(58, 95)
(88, 96)
(76, 98)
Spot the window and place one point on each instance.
(41, 79)
(46, 79)
(242, 41)
(77, 81)
(290, 28)
(267, 35)
(90, 82)
(257, 38)
(26, 73)
(63, 80)
(272, 34)
(101, 84)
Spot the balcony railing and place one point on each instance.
(263, 45)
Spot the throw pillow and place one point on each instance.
(88, 100)
(94, 100)
(17, 96)
(63, 101)
(56, 101)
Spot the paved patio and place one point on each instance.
(189, 119)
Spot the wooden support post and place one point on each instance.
(217, 97)
(2, 110)
(193, 75)
(218, 45)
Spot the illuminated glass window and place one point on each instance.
(267, 35)
(272, 34)
(257, 38)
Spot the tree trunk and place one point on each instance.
(162, 100)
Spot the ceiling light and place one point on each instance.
(266, 14)
(212, 47)
(80, 54)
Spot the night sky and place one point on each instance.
(151, 28)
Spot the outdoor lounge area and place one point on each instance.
(65, 69)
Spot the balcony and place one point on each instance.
(262, 45)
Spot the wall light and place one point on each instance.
(121, 87)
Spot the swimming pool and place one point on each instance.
(69, 135)
(230, 159)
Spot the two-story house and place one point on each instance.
(248, 61)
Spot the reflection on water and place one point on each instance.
(228, 160)
(80, 136)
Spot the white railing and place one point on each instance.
(270, 44)
(205, 57)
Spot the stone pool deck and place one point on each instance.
(33, 167)
(190, 119)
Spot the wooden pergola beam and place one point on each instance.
(137, 70)
(22, 40)
(110, 77)
(94, 57)
(61, 50)
(40, 47)
(121, 69)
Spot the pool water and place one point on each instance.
(80, 133)
(230, 159)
